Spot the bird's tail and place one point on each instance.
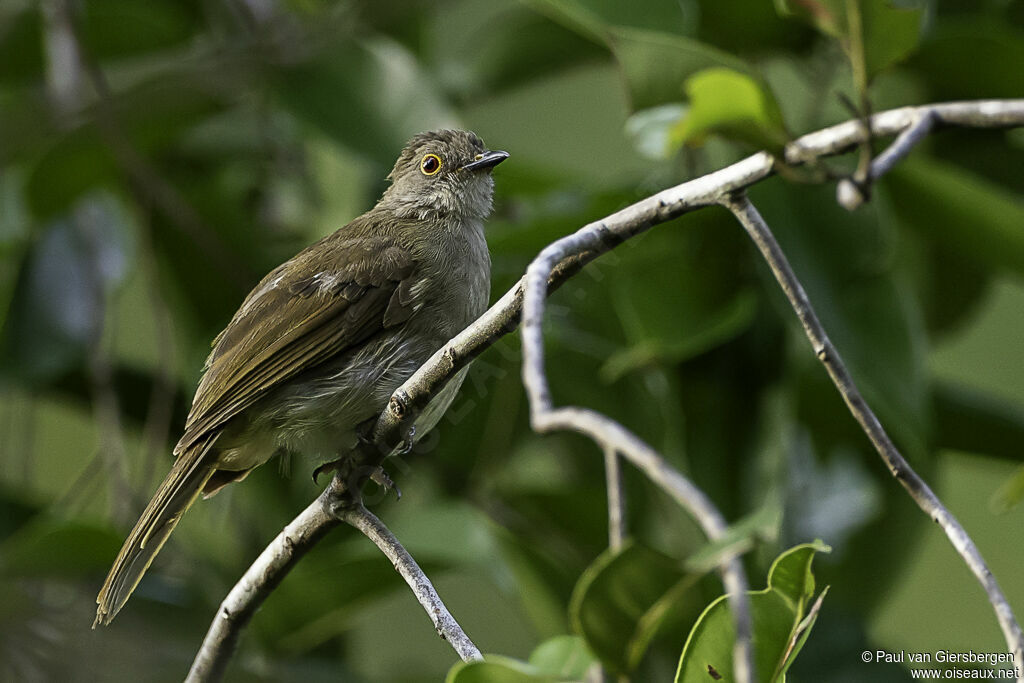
(176, 494)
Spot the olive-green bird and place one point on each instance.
(318, 347)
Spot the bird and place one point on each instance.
(316, 349)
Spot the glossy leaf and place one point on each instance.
(734, 105)
(497, 669)
(779, 630)
(1010, 494)
(623, 599)
(692, 297)
(566, 657)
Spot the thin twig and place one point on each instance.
(852, 193)
(616, 499)
(359, 517)
(751, 219)
(610, 435)
(334, 505)
(902, 145)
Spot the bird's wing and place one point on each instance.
(326, 300)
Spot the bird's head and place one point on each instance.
(444, 173)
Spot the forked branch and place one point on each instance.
(566, 257)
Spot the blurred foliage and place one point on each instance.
(157, 158)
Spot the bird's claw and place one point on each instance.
(381, 478)
(333, 465)
(405, 445)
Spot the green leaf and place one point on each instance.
(890, 33)
(623, 599)
(762, 524)
(1009, 494)
(867, 306)
(887, 33)
(497, 669)
(563, 656)
(656, 64)
(790, 574)
(828, 16)
(734, 105)
(780, 623)
(973, 216)
(650, 129)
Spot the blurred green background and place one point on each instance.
(157, 158)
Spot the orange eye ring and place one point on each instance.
(430, 164)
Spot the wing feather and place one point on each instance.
(321, 304)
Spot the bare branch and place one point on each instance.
(334, 505)
(762, 236)
(445, 625)
(616, 499)
(851, 195)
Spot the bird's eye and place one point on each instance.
(430, 164)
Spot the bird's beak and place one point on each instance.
(487, 160)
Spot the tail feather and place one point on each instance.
(176, 494)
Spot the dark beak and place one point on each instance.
(487, 160)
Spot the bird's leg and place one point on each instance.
(364, 435)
